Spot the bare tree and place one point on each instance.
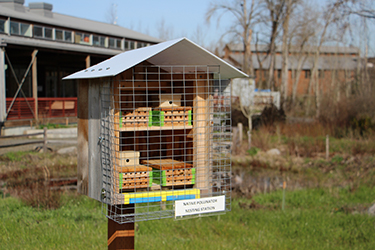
(164, 32)
(246, 14)
(302, 31)
(111, 15)
(329, 17)
(275, 10)
(285, 52)
(361, 8)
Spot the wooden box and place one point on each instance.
(174, 116)
(127, 158)
(169, 172)
(140, 117)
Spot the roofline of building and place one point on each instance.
(76, 23)
(325, 49)
(31, 42)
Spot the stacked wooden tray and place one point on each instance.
(169, 172)
(140, 117)
(129, 173)
(133, 177)
(171, 116)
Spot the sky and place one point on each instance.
(182, 18)
(145, 16)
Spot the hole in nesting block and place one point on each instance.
(170, 102)
(127, 160)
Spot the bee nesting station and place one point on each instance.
(147, 136)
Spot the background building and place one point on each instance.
(39, 47)
(334, 64)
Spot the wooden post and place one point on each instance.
(45, 140)
(2, 86)
(234, 140)
(240, 132)
(121, 236)
(35, 85)
(88, 61)
(201, 134)
(327, 147)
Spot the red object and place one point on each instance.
(48, 107)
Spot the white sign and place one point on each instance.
(200, 206)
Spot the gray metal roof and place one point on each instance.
(180, 51)
(75, 23)
(324, 62)
(294, 49)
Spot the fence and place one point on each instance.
(44, 141)
(48, 107)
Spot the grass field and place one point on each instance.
(325, 207)
(313, 219)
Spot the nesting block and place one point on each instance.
(173, 116)
(127, 158)
(176, 177)
(169, 100)
(132, 177)
(169, 172)
(139, 117)
(129, 174)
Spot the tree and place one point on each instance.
(246, 14)
(111, 15)
(285, 52)
(164, 32)
(275, 10)
(302, 31)
(330, 16)
(361, 8)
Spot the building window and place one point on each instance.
(14, 28)
(43, 32)
(21, 29)
(48, 33)
(38, 31)
(67, 36)
(82, 38)
(2, 26)
(25, 29)
(59, 35)
(307, 74)
(63, 35)
(279, 73)
(129, 45)
(98, 41)
(115, 43)
(141, 45)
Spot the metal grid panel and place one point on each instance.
(165, 136)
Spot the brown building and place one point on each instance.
(335, 65)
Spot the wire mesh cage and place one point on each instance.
(165, 137)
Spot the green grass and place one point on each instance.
(313, 219)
